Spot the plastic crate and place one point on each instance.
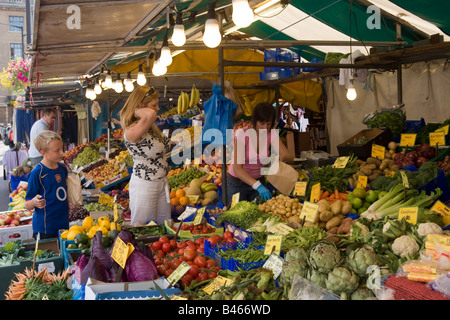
(414, 126)
(439, 182)
(312, 69)
(280, 55)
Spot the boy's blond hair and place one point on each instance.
(43, 139)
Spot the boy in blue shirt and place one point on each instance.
(47, 190)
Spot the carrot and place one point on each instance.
(321, 194)
(325, 194)
(336, 194)
(332, 196)
(343, 196)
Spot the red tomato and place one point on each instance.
(212, 275)
(228, 235)
(168, 272)
(160, 254)
(163, 239)
(156, 246)
(231, 240)
(200, 261)
(210, 263)
(162, 268)
(185, 227)
(192, 247)
(173, 244)
(182, 258)
(212, 240)
(217, 237)
(200, 250)
(186, 279)
(194, 271)
(166, 247)
(202, 276)
(189, 254)
(181, 245)
(199, 241)
(175, 263)
(217, 268)
(158, 261)
(180, 251)
(190, 242)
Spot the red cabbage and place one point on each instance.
(145, 249)
(140, 268)
(98, 251)
(95, 270)
(82, 262)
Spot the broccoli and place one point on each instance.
(380, 182)
(13, 247)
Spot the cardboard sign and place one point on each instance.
(362, 182)
(235, 199)
(300, 188)
(280, 228)
(121, 252)
(274, 263)
(408, 139)
(315, 193)
(409, 214)
(273, 244)
(309, 211)
(437, 138)
(340, 162)
(218, 283)
(442, 209)
(193, 199)
(178, 273)
(404, 179)
(378, 151)
(443, 129)
(199, 216)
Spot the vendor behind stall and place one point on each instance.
(245, 172)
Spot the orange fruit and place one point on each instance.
(174, 201)
(180, 193)
(184, 201)
(173, 194)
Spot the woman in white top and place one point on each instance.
(149, 189)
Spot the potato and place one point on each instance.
(322, 225)
(336, 207)
(333, 222)
(346, 207)
(333, 230)
(294, 219)
(365, 170)
(325, 216)
(374, 161)
(309, 224)
(324, 205)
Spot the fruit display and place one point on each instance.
(71, 154)
(203, 192)
(18, 198)
(182, 179)
(15, 218)
(202, 228)
(94, 165)
(117, 134)
(124, 157)
(122, 197)
(77, 213)
(183, 103)
(195, 96)
(87, 156)
(288, 209)
(104, 172)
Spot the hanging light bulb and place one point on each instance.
(166, 56)
(242, 13)
(90, 94)
(212, 36)
(108, 81)
(351, 91)
(97, 88)
(178, 36)
(128, 83)
(118, 86)
(141, 80)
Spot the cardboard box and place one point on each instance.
(16, 233)
(44, 244)
(98, 214)
(140, 290)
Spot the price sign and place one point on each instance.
(315, 193)
(362, 182)
(309, 211)
(280, 228)
(218, 283)
(300, 188)
(378, 151)
(121, 252)
(340, 162)
(116, 214)
(442, 209)
(437, 138)
(211, 175)
(193, 199)
(408, 139)
(199, 216)
(235, 199)
(178, 273)
(443, 129)
(274, 263)
(409, 214)
(404, 179)
(273, 244)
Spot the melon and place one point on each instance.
(196, 183)
(210, 195)
(193, 191)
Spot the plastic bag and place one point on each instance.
(74, 195)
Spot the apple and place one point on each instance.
(8, 220)
(15, 222)
(2, 222)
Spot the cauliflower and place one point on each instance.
(428, 227)
(364, 229)
(386, 226)
(405, 245)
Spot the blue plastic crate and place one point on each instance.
(15, 180)
(312, 69)
(280, 55)
(414, 126)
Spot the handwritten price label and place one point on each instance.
(178, 273)
(378, 151)
(443, 210)
(273, 244)
(340, 162)
(235, 199)
(315, 193)
(408, 139)
(309, 211)
(362, 182)
(300, 188)
(409, 214)
(199, 216)
(218, 283)
(437, 138)
(121, 252)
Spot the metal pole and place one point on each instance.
(224, 147)
(399, 85)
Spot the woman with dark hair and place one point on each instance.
(252, 149)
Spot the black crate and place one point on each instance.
(363, 151)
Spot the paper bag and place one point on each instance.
(74, 195)
(284, 180)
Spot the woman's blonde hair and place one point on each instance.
(43, 139)
(127, 114)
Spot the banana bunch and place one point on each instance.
(18, 201)
(208, 186)
(183, 103)
(195, 96)
(169, 113)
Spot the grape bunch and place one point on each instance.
(88, 155)
(184, 178)
(97, 164)
(77, 213)
(95, 206)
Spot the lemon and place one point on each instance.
(104, 230)
(88, 222)
(76, 227)
(105, 224)
(64, 234)
(72, 233)
(102, 218)
(115, 226)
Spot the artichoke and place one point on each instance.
(363, 294)
(317, 277)
(296, 254)
(342, 281)
(324, 256)
(360, 259)
(292, 268)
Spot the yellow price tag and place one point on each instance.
(378, 151)
(437, 138)
(121, 252)
(340, 162)
(442, 209)
(211, 175)
(443, 129)
(309, 211)
(362, 182)
(273, 244)
(300, 188)
(409, 214)
(116, 214)
(404, 179)
(315, 193)
(408, 139)
(218, 283)
(193, 199)
(235, 199)
(178, 273)
(199, 216)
